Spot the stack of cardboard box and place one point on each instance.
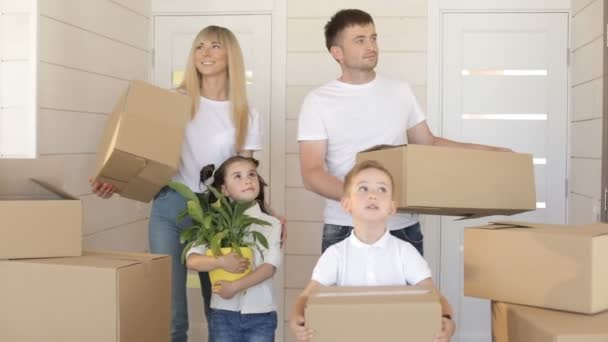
(554, 277)
(427, 180)
(50, 290)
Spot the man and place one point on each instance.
(358, 110)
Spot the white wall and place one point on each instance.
(87, 53)
(17, 79)
(586, 119)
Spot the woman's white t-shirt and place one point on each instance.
(210, 139)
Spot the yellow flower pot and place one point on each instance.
(221, 274)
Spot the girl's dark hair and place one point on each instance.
(219, 176)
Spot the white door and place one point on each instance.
(504, 83)
(173, 37)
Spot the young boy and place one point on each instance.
(370, 255)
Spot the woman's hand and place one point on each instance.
(233, 263)
(103, 190)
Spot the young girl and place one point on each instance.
(238, 315)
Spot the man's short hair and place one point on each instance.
(362, 166)
(343, 19)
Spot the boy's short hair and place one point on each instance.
(343, 19)
(362, 166)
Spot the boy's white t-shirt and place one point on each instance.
(353, 118)
(210, 139)
(389, 261)
(258, 298)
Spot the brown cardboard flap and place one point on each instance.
(505, 225)
(372, 294)
(122, 167)
(125, 255)
(596, 229)
(54, 189)
(381, 147)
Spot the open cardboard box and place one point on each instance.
(40, 226)
(562, 267)
(141, 145)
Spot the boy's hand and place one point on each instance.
(301, 332)
(233, 263)
(447, 330)
(103, 190)
(225, 289)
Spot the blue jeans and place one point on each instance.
(164, 239)
(232, 326)
(333, 234)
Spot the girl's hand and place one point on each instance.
(103, 190)
(447, 330)
(225, 289)
(233, 263)
(300, 331)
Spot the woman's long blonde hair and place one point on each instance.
(237, 93)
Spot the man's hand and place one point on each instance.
(283, 221)
(447, 330)
(300, 331)
(225, 289)
(233, 263)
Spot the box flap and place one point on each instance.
(125, 255)
(593, 229)
(381, 147)
(372, 295)
(54, 189)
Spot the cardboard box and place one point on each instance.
(550, 266)
(516, 323)
(394, 313)
(40, 226)
(456, 181)
(98, 297)
(141, 145)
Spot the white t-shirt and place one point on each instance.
(210, 139)
(389, 261)
(258, 298)
(353, 118)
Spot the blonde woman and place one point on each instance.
(223, 125)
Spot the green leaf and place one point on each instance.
(185, 250)
(207, 221)
(187, 234)
(260, 237)
(195, 211)
(216, 243)
(237, 249)
(184, 191)
(181, 216)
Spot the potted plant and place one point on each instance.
(222, 225)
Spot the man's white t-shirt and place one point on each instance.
(389, 261)
(353, 118)
(210, 139)
(258, 298)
